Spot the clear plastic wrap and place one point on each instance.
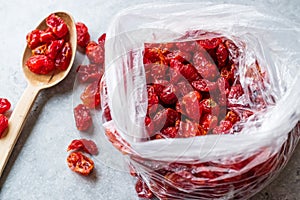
(234, 165)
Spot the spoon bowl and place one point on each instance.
(36, 82)
(49, 80)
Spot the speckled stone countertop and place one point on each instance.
(37, 168)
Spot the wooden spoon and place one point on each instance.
(35, 84)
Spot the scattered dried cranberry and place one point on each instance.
(87, 146)
(3, 124)
(80, 163)
(89, 73)
(91, 95)
(82, 117)
(95, 52)
(83, 36)
(4, 105)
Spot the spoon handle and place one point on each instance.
(16, 123)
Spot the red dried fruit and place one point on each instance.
(178, 55)
(87, 146)
(80, 163)
(102, 38)
(33, 39)
(236, 92)
(190, 106)
(151, 55)
(91, 95)
(143, 190)
(40, 64)
(189, 72)
(47, 36)
(223, 128)
(209, 43)
(168, 95)
(165, 118)
(190, 129)
(82, 117)
(210, 106)
(232, 116)
(189, 46)
(169, 132)
(54, 48)
(106, 113)
(83, 36)
(208, 121)
(4, 105)
(222, 55)
(89, 73)
(158, 71)
(3, 124)
(63, 58)
(95, 52)
(205, 66)
(57, 25)
(203, 85)
(153, 100)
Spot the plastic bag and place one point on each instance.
(214, 166)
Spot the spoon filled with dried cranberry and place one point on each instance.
(47, 60)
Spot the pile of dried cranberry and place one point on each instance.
(90, 76)
(50, 47)
(193, 88)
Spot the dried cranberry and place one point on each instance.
(153, 100)
(158, 71)
(63, 58)
(165, 118)
(210, 106)
(168, 95)
(91, 95)
(87, 146)
(189, 46)
(143, 190)
(169, 132)
(209, 43)
(80, 163)
(89, 73)
(203, 85)
(208, 121)
(232, 116)
(40, 64)
(47, 36)
(205, 66)
(190, 129)
(83, 36)
(57, 25)
(222, 55)
(95, 52)
(102, 38)
(82, 117)
(54, 48)
(236, 92)
(33, 39)
(223, 128)
(4, 105)
(190, 106)
(3, 124)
